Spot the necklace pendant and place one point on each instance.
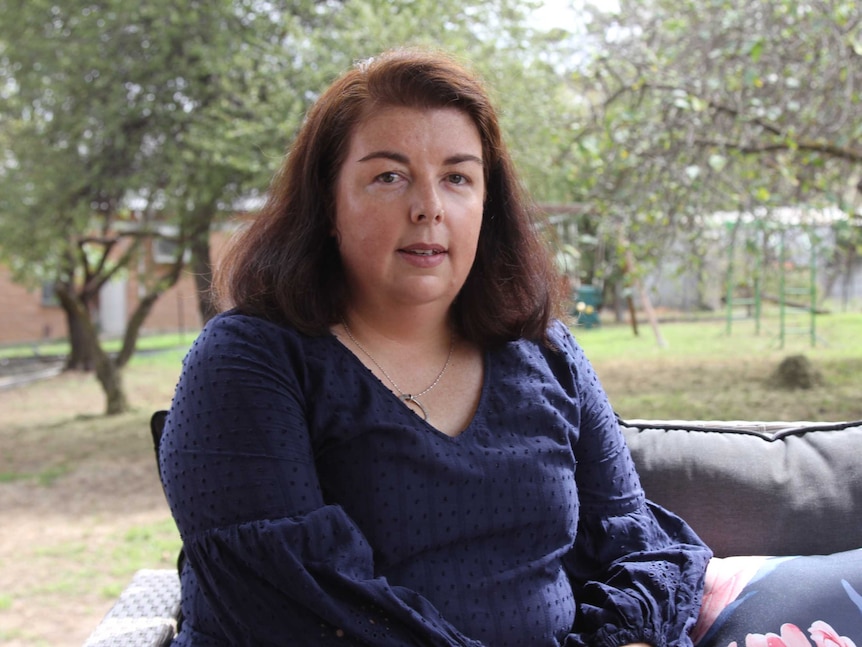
(407, 398)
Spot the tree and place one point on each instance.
(112, 102)
(718, 105)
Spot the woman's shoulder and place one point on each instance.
(233, 331)
(560, 342)
(560, 335)
(558, 351)
(234, 324)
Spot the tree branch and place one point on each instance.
(832, 150)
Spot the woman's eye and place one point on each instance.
(388, 177)
(457, 178)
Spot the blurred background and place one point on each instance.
(696, 167)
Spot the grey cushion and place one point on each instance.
(756, 488)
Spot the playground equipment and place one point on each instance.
(794, 282)
(587, 304)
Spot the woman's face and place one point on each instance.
(408, 206)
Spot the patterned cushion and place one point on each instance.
(782, 602)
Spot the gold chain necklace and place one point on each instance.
(405, 397)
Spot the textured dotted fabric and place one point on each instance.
(316, 509)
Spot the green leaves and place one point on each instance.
(755, 51)
(743, 90)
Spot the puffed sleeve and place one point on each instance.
(637, 570)
(275, 564)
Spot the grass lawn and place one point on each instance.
(704, 373)
(82, 508)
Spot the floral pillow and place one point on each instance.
(782, 602)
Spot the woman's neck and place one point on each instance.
(429, 326)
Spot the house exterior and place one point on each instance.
(32, 316)
(27, 315)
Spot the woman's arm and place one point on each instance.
(637, 570)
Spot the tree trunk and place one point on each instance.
(633, 315)
(202, 271)
(81, 349)
(133, 326)
(108, 372)
(199, 244)
(110, 376)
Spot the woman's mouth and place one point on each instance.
(423, 252)
(424, 256)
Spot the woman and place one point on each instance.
(389, 439)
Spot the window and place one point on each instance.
(49, 296)
(165, 251)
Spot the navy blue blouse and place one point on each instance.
(316, 509)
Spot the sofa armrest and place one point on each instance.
(144, 615)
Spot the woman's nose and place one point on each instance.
(426, 204)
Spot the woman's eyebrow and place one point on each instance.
(390, 155)
(464, 157)
(403, 159)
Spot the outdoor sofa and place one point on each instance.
(779, 503)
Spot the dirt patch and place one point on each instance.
(81, 506)
(59, 577)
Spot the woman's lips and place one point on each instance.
(423, 255)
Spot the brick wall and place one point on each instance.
(24, 318)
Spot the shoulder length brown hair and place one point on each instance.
(286, 267)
